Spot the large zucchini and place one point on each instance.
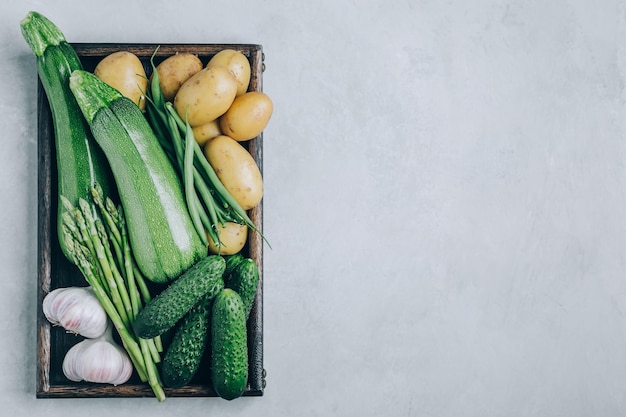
(162, 236)
(80, 162)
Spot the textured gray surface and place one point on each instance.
(445, 201)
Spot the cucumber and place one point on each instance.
(161, 314)
(244, 280)
(184, 354)
(229, 345)
(80, 162)
(162, 235)
(231, 262)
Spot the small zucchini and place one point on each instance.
(80, 162)
(229, 345)
(162, 235)
(161, 314)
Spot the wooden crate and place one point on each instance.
(56, 271)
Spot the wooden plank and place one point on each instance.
(44, 190)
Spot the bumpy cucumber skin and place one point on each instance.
(184, 354)
(231, 263)
(229, 346)
(161, 314)
(80, 162)
(164, 241)
(245, 280)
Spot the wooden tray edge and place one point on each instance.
(44, 389)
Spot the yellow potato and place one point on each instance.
(247, 116)
(237, 63)
(124, 71)
(233, 237)
(206, 132)
(236, 169)
(175, 70)
(206, 95)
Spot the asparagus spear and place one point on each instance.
(98, 243)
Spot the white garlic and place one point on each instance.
(77, 310)
(98, 360)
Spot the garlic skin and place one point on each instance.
(98, 360)
(77, 310)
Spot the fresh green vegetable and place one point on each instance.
(245, 280)
(231, 263)
(229, 354)
(204, 279)
(208, 201)
(80, 163)
(182, 359)
(161, 231)
(99, 247)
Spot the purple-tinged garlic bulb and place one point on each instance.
(98, 360)
(77, 310)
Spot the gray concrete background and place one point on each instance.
(444, 197)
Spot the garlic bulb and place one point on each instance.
(98, 360)
(77, 310)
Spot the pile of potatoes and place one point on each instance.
(215, 100)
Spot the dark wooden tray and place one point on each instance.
(56, 271)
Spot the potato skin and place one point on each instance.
(175, 70)
(206, 95)
(124, 71)
(247, 116)
(206, 132)
(233, 237)
(236, 169)
(237, 64)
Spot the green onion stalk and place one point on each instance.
(95, 233)
(209, 203)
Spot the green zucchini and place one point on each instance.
(245, 279)
(80, 162)
(229, 345)
(161, 314)
(184, 354)
(162, 235)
